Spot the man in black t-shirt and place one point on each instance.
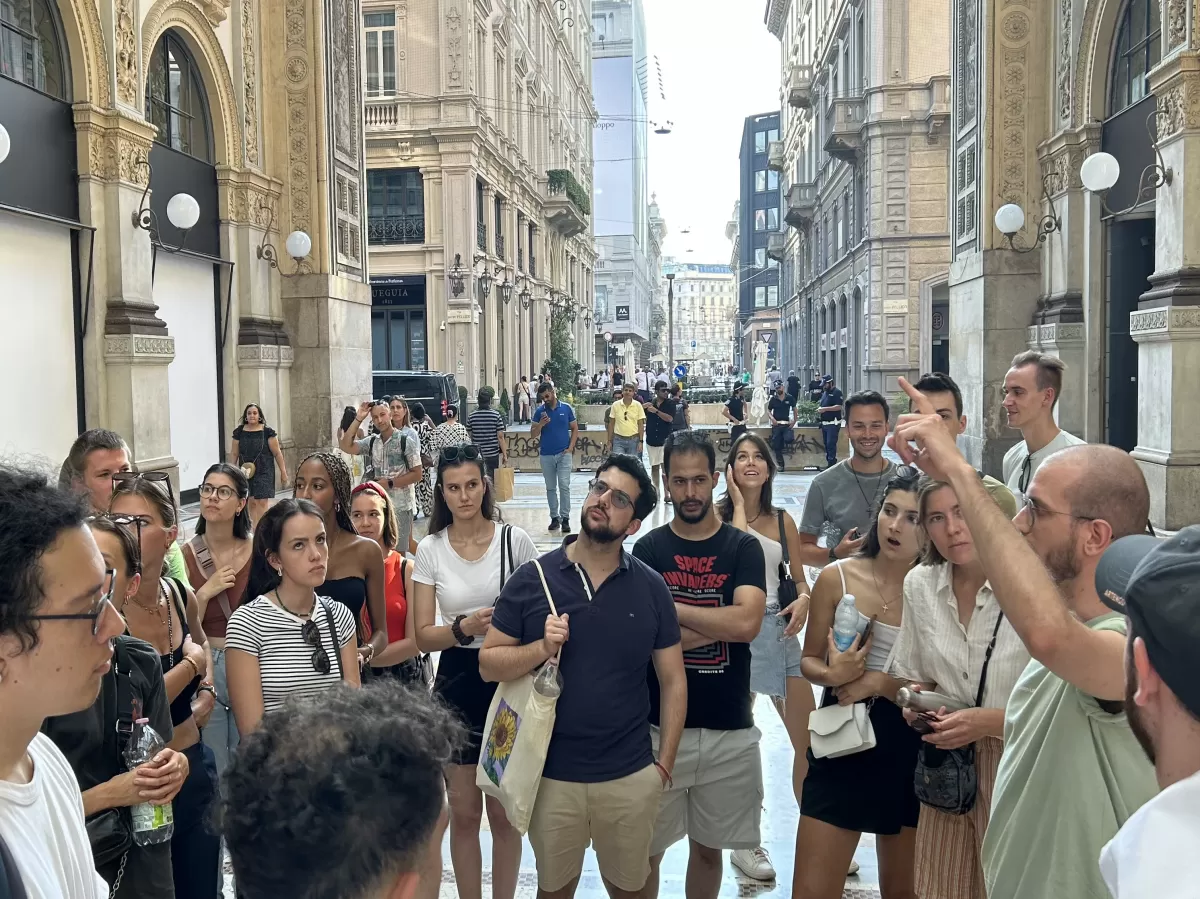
(782, 409)
(717, 576)
(793, 386)
(735, 412)
(660, 422)
(814, 387)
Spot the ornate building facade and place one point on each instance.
(479, 123)
(1109, 280)
(705, 316)
(863, 158)
(163, 333)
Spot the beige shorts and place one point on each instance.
(655, 453)
(718, 791)
(615, 817)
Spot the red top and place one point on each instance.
(394, 598)
(214, 621)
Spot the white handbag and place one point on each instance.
(838, 730)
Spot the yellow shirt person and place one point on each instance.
(627, 415)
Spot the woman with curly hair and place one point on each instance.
(355, 576)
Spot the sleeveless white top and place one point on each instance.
(773, 552)
(879, 656)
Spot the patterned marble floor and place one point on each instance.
(527, 509)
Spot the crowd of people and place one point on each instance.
(1006, 694)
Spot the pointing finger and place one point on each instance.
(918, 401)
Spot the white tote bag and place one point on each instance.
(515, 739)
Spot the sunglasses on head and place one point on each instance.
(158, 478)
(462, 452)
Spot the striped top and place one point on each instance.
(272, 635)
(485, 425)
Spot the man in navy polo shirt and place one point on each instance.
(602, 783)
(556, 429)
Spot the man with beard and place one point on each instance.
(843, 499)
(1072, 771)
(615, 619)
(1157, 585)
(717, 575)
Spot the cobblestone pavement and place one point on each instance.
(528, 510)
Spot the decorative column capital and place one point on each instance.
(112, 145)
(1166, 323)
(138, 349)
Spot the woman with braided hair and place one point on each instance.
(355, 576)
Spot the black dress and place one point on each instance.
(255, 446)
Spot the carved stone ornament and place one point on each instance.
(1064, 60)
(216, 11)
(1014, 28)
(1176, 23)
(454, 73)
(136, 348)
(298, 165)
(1164, 320)
(116, 155)
(1061, 171)
(127, 54)
(249, 83)
(1178, 108)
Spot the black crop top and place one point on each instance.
(181, 705)
(349, 591)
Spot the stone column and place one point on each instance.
(462, 348)
(1166, 326)
(123, 328)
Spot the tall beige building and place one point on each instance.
(864, 160)
(705, 315)
(478, 122)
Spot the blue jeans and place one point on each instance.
(830, 433)
(626, 445)
(221, 733)
(557, 472)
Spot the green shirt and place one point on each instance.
(1070, 775)
(175, 565)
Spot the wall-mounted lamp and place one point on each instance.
(526, 296)
(506, 290)
(1100, 172)
(298, 244)
(457, 279)
(566, 20)
(1010, 218)
(485, 283)
(5, 143)
(182, 211)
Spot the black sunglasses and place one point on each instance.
(462, 452)
(160, 478)
(105, 597)
(1026, 474)
(124, 521)
(311, 635)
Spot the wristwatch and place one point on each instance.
(833, 554)
(457, 631)
(391, 484)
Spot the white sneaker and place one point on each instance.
(853, 868)
(754, 863)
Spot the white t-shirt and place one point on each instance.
(42, 823)
(1153, 856)
(1014, 461)
(273, 636)
(464, 587)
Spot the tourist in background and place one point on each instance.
(487, 431)
(451, 432)
(424, 427)
(524, 399)
(556, 430)
(734, 412)
(256, 451)
(627, 423)
(218, 566)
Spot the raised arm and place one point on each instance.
(348, 443)
(1093, 661)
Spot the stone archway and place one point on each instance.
(190, 23)
(84, 36)
(1094, 59)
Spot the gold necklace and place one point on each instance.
(156, 609)
(884, 600)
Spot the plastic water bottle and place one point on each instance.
(845, 622)
(927, 701)
(549, 681)
(152, 824)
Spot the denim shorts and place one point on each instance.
(773, 658)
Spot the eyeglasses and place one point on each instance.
(1035, 508)
(105, 597)
(311, 634)
(620, 499)
(222, 492)
(463, 452)
(159, 478)
(125, 521)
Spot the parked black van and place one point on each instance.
(433, 389)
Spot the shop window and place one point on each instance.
(32, 50)
(175, 100)
(1138, 50)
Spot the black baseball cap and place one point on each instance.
(827, 379)
(1156, 583)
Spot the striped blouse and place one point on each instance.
(272, 635)
(934, 647)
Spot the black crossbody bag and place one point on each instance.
(110, 832)
(787, 587)
(11, 886)
(947, 779)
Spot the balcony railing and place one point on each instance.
(775, 156)
(844, 119)
(393, 229)
(481, 236)
(532, 265)
(800, 86)
(801, 204)
(775, 245)
(520, 259)
(568, 204)
(381, 114)
(500, 245)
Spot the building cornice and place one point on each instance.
(775, 16)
